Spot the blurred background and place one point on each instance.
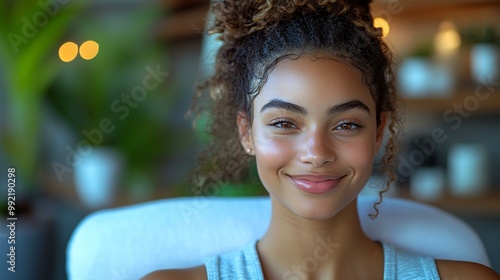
(94, 95)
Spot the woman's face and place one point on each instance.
(314, 135)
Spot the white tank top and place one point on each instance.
(244, 264)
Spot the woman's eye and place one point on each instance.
(348, 126)
(282, 124)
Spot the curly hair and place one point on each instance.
(256, 35)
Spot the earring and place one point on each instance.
(249, 150)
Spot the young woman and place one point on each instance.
(306, 89)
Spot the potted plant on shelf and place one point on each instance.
(28, 66)
(415, 71)
(484, 54)
(117, 106)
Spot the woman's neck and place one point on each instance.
(308, 249)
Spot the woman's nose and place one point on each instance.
(317, 149)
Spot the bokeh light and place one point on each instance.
(382, 23)
(89, 50)
(447, 39)
(68, 51)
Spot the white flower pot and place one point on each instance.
(415, 75)
(485, 63)
(421, 77)
(97, 176)
(468, 170)
(427, 183)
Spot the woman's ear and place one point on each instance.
(381, 130)
(245, 132)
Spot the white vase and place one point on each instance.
(97, 176)
(427, 183)
(468, 170)
(422, 77)
(485, 63)
(415, 76)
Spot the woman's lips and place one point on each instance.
(316, 184)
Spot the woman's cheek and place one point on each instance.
(273, 150)
(359, 154)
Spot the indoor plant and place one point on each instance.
(29, 65)
(484, 54)
(119, 101)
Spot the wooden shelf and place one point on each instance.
(176, 5)
(184, 20)
(183, 25)
(488, 205)
(410, 10)
(464, 98)
(65, 190)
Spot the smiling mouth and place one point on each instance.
(316, 184)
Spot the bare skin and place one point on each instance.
(314, 135)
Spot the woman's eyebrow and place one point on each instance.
(280, 104)
(349, 105)
(339, 108)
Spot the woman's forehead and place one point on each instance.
(311, 78)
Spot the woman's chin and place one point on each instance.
(316, 209)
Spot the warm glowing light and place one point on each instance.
(447, 39)
(89, 50)
(382, 23)
(68, 51)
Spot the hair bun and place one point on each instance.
(235, 19)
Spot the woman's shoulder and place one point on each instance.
(465, 270)
(195, 273)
